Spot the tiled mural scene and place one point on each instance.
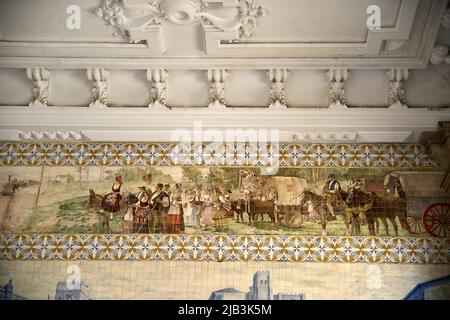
(221, 281)
(228, 228)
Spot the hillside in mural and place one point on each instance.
(223, 200)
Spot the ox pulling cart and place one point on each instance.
(421, 205)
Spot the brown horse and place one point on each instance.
(356, 203)
(387, 209)
(318, 204)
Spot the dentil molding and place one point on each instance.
(51, 136)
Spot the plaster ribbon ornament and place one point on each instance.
(127, 16)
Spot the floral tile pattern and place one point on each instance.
(224, 248)
(239, 154)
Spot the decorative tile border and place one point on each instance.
(225, 248)
(240, 154)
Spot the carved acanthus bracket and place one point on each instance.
(100, 91)
(440, 54)
(396, 91)
(158, 78)
(216, 93)
(277, 94)
(128, 16)
(337, 97)
(41, 85)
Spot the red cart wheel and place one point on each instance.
(436, 220)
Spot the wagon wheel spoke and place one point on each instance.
(436, 227)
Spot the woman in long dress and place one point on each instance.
(175, 217)
(140, 222)
(220, 219)
(111, 201)
(206, 212)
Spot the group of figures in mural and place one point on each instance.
(234, 201)
(162, 210)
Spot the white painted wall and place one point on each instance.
(69, 87)
(307, 88)
(129, 88)
(367, 88)
(430, 87)
(187, 88)
(247, 88)
(15, 88)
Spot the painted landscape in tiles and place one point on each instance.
(223, 200)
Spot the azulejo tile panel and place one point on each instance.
(224, 248)
(238, 154)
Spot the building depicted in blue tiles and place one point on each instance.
(63, 292)
(7, 292)
(260, 290)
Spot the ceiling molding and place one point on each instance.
(205, 64)
(406, 44)
(147, 124)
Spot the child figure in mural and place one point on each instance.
(111, 201)
(141, 214)
(175, 217)
(332, 190)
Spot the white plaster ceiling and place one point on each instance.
(289, 29)
(306, 37)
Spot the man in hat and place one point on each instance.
(142, 192)
(332, 190)
(197, 203)
(160, 203)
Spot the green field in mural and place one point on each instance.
(223, 200)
